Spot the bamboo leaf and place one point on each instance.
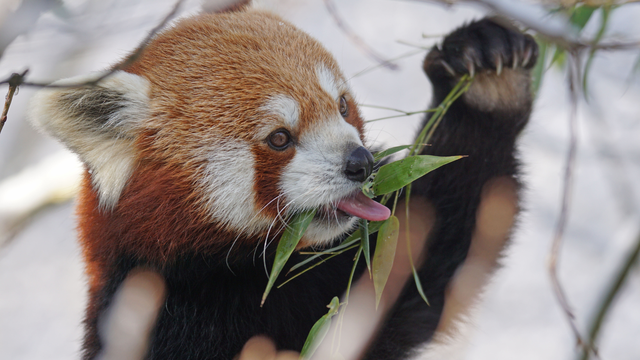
(374, 226)
(319, 263)
(581, 15)
(384, 255)
(319, 330)
(398, 174)
(636, 66)
(367, 189)
(364, 241)
(606, 11)
(288, 242)
(559, 56)
(416, 280)
(390, 151)
(538, 71)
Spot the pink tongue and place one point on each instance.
(364, 208)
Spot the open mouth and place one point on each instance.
(356, 204)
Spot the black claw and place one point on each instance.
(481, 46)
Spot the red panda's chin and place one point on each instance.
(328, 225)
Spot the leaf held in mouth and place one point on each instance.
(398, 174)
(390, 151)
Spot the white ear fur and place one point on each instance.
(98, 123)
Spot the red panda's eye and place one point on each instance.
(279, 139)
(344, 109)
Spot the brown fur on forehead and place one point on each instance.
(214, 72)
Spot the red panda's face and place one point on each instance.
(252, 112)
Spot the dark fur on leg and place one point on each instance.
(482, 124)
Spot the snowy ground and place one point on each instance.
(42, 288)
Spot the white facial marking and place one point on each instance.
(105, 145)
(285, 107)
(315, 176)
(328, 82)
(227, 180)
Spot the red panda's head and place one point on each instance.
(252, 114)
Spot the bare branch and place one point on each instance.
(331, 7)
(123, 64)
(567, 189)
(14, 81)
(618, 280)
(537, 19)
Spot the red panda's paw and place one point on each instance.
(496, 55)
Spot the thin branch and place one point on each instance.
(14, 81)
(567, 189)
(537, 19)
(393, 60)
(121, 65)
(618, 280)
(331, 7)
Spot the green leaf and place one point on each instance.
(319, 330)
(364, 240)
(416, 280)
(398, 174)
(606, 11)
(385, 253)
(635, 70)
(390, 151)
(559, 56)
(367, 190)
(374, 226)
(288, 242)
(581, 15)
(320, 263)
(538, 71)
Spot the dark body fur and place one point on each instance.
(211, 311)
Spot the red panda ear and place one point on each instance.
(99, 123)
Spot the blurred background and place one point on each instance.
(42, 285)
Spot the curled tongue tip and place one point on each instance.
(365, 208)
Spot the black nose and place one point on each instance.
(359, 165)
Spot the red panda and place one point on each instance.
(228, 124)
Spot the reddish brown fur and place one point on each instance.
(267, 176)
(354, 118)
(198, 86)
